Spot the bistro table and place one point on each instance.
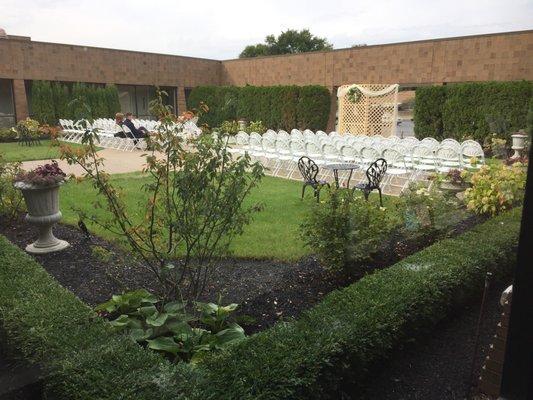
(342, 167)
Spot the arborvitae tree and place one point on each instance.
(61, 98)
(112, 100)
(42, 102)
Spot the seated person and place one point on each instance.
(119, 120)
(137, 133)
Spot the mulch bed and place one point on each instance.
(267, 291)
(436, 366)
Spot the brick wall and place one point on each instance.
(501, 57)
(24, 59)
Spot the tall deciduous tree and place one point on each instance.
(288, 42)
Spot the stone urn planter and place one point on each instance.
(519, 144)
(40, 189)
(242, 124)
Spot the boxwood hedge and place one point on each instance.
(278, 107)
(46, 324)
(472, 110)
(333, 343)
(336, 341)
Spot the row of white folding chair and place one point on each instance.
(472, 148)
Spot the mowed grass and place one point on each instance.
(272, 234)
(13, 152)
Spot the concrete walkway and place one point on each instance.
(115, 162)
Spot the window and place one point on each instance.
(7, 107)
(136, 99)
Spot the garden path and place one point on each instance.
(115, 162)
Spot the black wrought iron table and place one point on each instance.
(342, 167)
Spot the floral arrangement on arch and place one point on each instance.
(354, 94)
(43, 175)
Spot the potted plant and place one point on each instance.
(519, 143)
(40, 188)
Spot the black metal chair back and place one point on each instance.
(308, 169)
(375, 173)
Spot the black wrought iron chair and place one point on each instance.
(309, 171)
(374, 173)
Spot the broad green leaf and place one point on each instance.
(233, 333)
(164, 343)
(157, 319)
(140, 335)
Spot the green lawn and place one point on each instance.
(15, 152)
(273, 233)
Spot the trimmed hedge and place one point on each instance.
(51, 101)
(333, 343)
(278, 107)
(82, 358)
(472, 110)
(339, 339)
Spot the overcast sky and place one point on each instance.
(220, 29)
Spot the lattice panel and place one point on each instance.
(375, 112)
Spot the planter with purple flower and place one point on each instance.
(40, 189)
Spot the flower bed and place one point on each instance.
(335, 341)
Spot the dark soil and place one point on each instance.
(267, 291)
(437, 366)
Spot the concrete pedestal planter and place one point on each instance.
(43, 211)
(519, 144)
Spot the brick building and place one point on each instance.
(499, 56)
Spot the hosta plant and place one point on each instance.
(169, 327)
(496, 188)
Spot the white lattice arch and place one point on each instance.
(375, 112)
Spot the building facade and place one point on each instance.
(499, 57)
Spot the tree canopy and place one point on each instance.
(288, 42)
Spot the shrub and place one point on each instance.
(278, 107)
(233, 127)
(337, 341)
(80, 356)
(229, 127)
(472, 110)
(333, 343)
(11, 201)
(7, 134)
(427, 114)
(313, 107)
(42, 102)
(51, 101)
(60, 100)
(27, 128)
(344, 230)
(112, 100)
(429, 209)
(194, 207)
(256, 126)
(496, 188)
